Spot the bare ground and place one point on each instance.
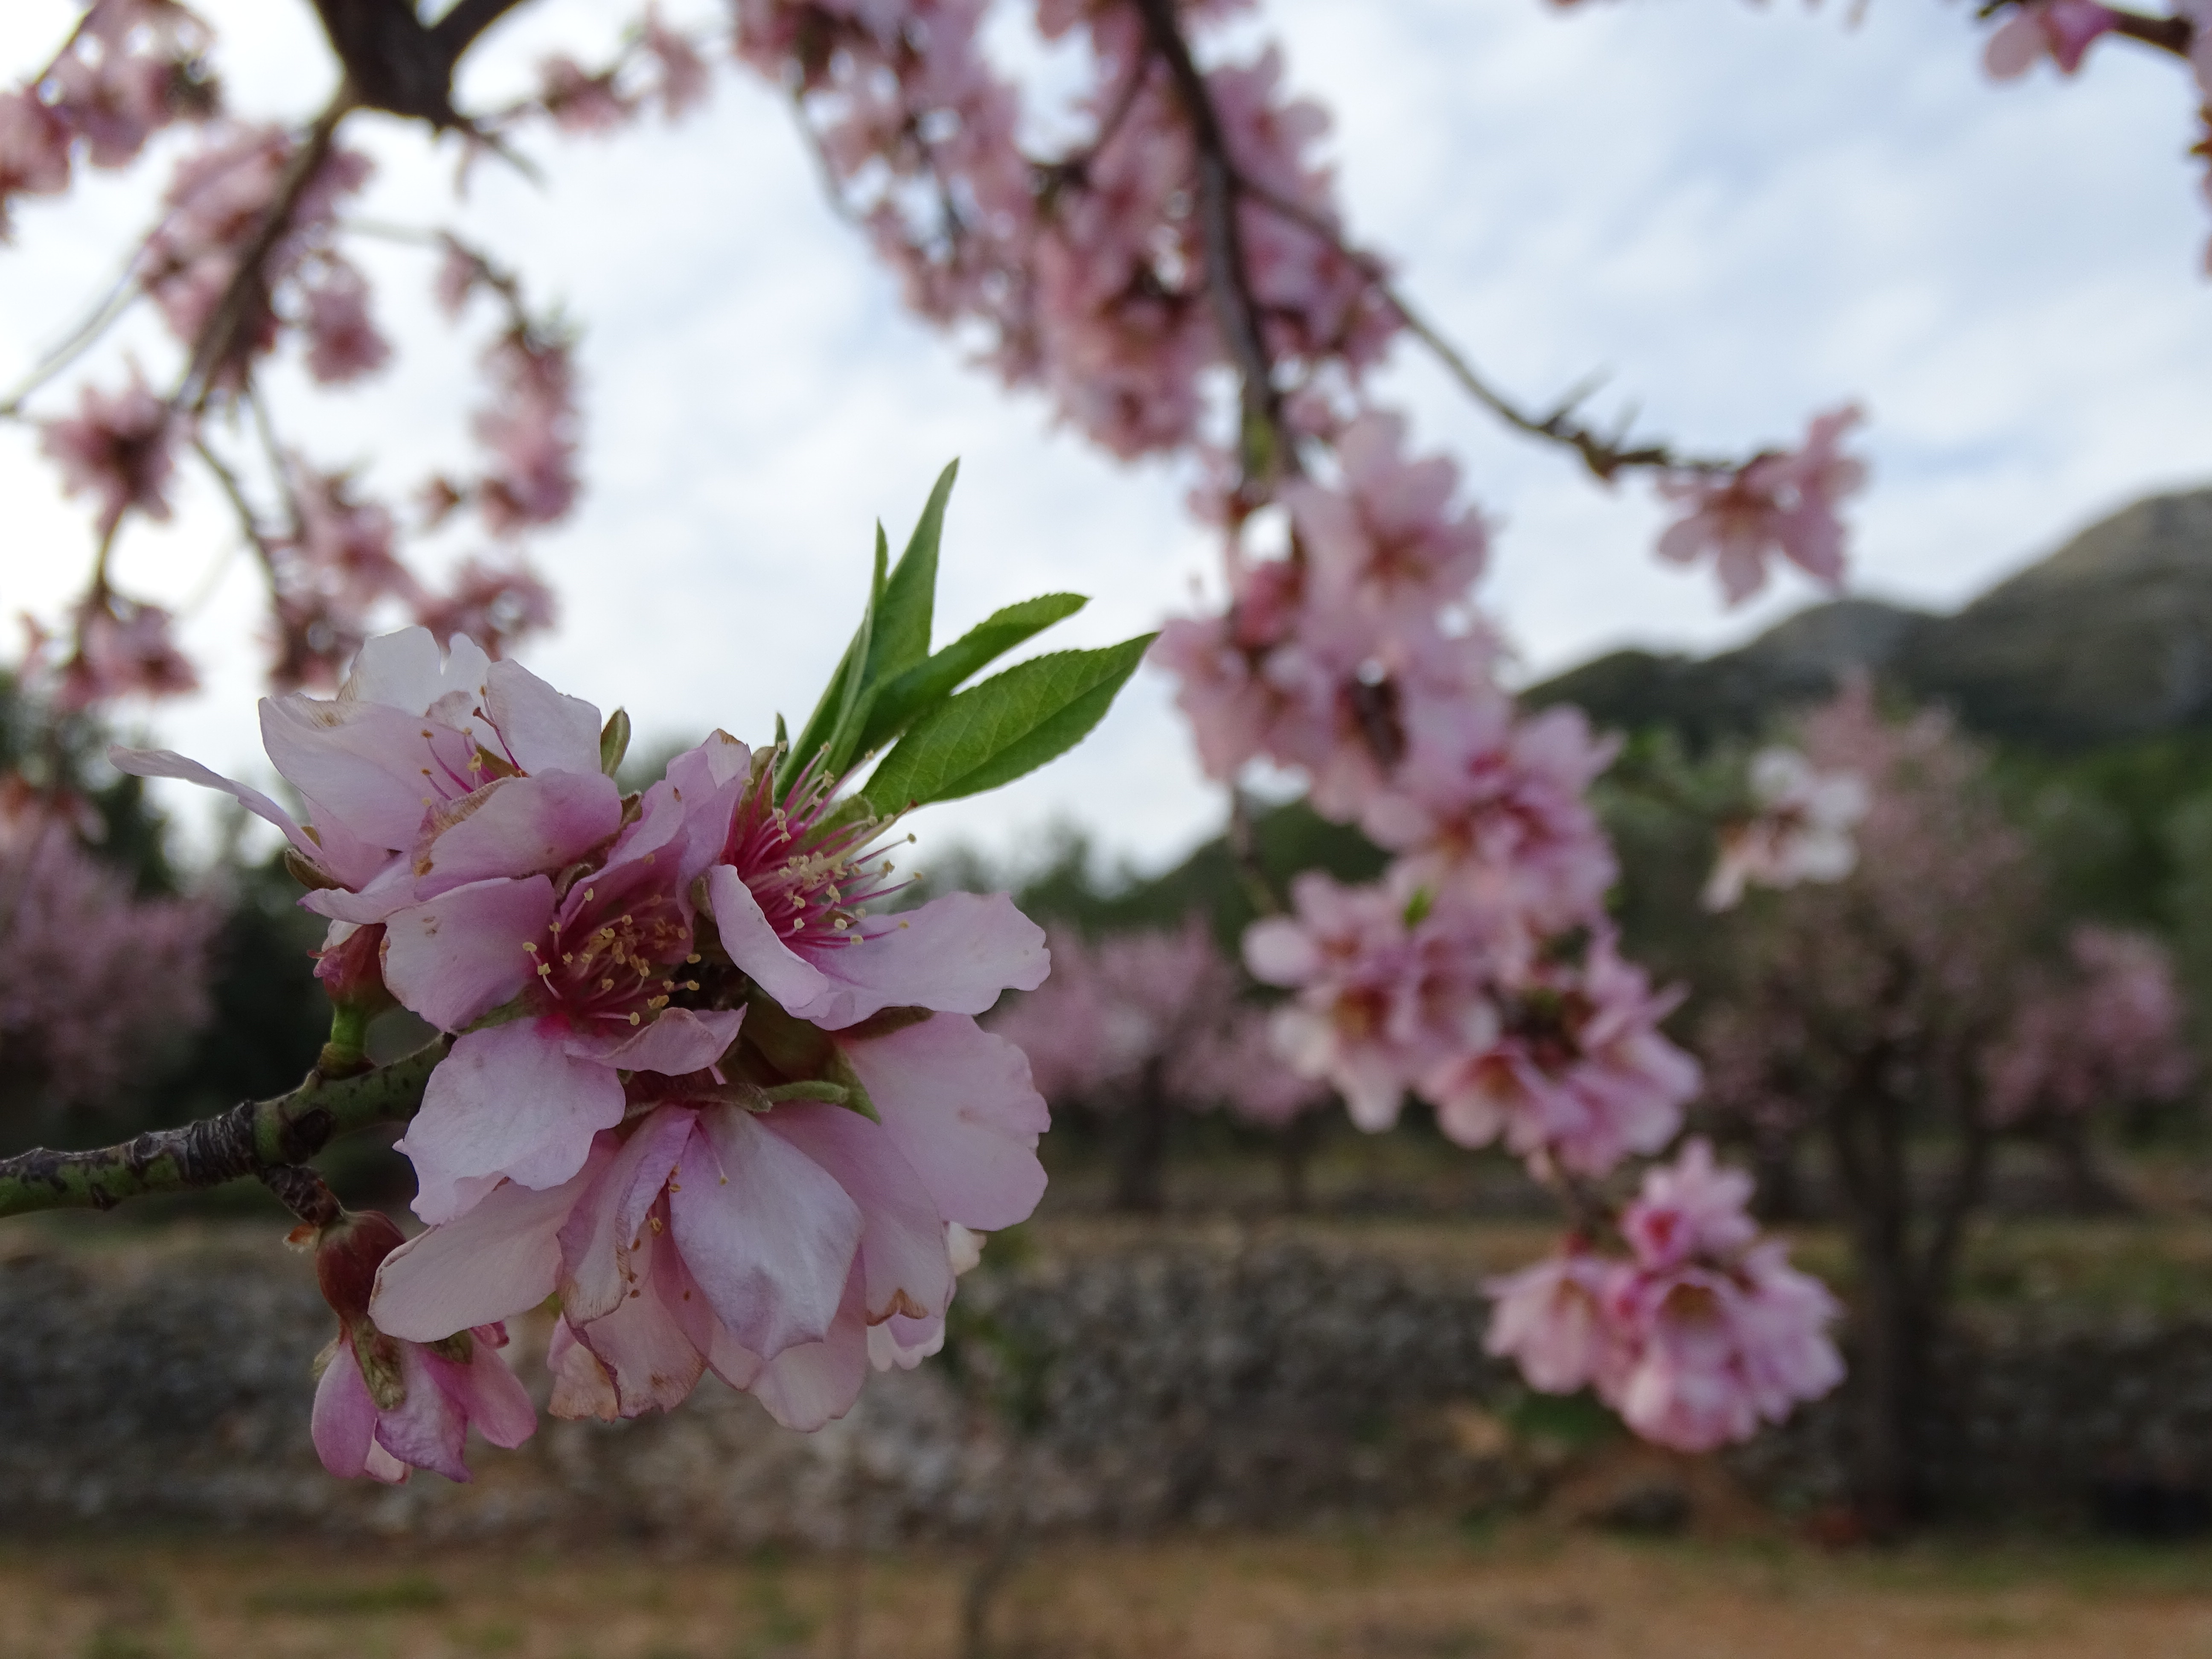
(1529, 1591)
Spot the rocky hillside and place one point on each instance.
(2108, 639)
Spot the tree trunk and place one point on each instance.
(2088, 1189)
(1888, 1358)
(1138, 1178)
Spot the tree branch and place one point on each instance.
(1265, 449)
(1605, 457)
(254, 1137)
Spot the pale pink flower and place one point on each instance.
(786, 889)
(2061, 30)
(1692, 1207)
(495, 602)
(577, 101)
(34, 151)
(123, 648)
(343, 342)
(1385, 994)
(531, 428)
(1555, 1322)
(1780, 502)
(591, 964)
(1800, 830)
(386, 1407)
(1235, 1063)
(765, 1245)
(1578, 1072)
(1490, 804)
(425, 773)
(117, 450)
(1388, 538)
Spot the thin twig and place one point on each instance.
(249, 288)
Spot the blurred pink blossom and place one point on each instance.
(117, 450)
(2061, 30)
(1781, 502)
(1799, 830)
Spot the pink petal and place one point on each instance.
(678, 1040)
(506, 1102)
(392, 889)
(957, 1101)
(753, 946)
(364, 764)
(955, 954)
(806, 1386)
(402, 669)
(767, 1232)
(581, 1387)
(499, 1258)
(344, 1421)
(167, 764)
(605, 1227)
(459, 955)
(903, 1241)
(544, 730)
(2013, 49)
(498, 1404)
(516, 827)
(652, 1362)
(427, 1428)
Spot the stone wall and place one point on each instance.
(1208, 1379)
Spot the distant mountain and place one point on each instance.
(2109, 638)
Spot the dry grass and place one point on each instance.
(1527, 1592)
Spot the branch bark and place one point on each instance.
(254, 1137)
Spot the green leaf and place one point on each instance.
(920, 688)
(1010, 725)
(835, 713)
(904, 613)
(614, 742)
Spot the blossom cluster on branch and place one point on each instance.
(733, 1118)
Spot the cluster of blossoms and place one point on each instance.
(2108, 1032)
(1699, 1336)
(734, 1122)
(90, 974)
(246, 260)
(1799, 829)
(1153, 1015)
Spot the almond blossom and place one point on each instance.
(117, 449)
(2061, 30)
(1698, 1336)
(1799, 830)
(1780, 502)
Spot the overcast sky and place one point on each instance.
(1743, 215)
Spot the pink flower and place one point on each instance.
(423, 775)
(343, 343)
(1801, 830)
(1385, 994)
(786, 891)
(1491, 805)
(591, 965)
(1555, 1320)
(386, 1407)
(117, 450)
(1721, 1351)
(1388, 539)
(577, 101)
(2107, 1033)
(34, 150)
(1578, 1071)
(497, 603)
(2061, 30)
(1690, 1208)
(763, 1244)
(531, 431)
(123, 648)
(437, 1392)
(1779, 502)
